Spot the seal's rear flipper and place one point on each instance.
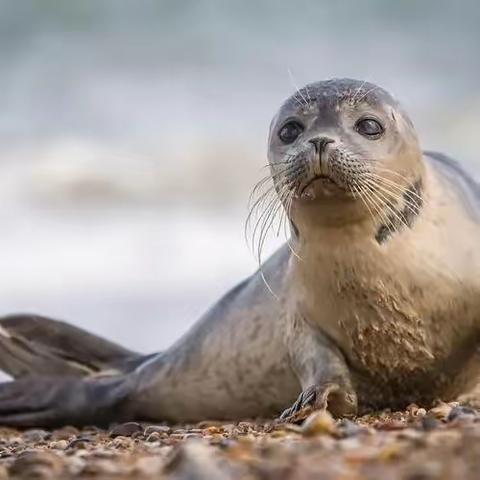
(49, 402)
(35, 345)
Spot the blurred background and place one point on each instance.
(132, 132)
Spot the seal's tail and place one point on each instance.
(35, 345)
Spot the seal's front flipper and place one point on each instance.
(329, 396)
(49, 402)
(31, 344)
(322, 371)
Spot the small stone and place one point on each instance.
(35, 436)
(160, 429)
(420, 412)
(154, 437)
(195, 459)
(40, 465)
(126, 430)
(148, 466)
(317, 423)
(461, 412)
(412, 409)
(65, 433)
(392, 426)
(346, 429)
(208, 423)
(441, 411)
(122, 442)
(212, 430)
(100, 467)
(60, 445)
(79, 443)
(193, 435)
(429, 423)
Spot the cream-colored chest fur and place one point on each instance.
(399, 308)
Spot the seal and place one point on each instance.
(376, 294)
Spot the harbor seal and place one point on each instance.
(376, 295)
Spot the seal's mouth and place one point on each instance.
(317, 180)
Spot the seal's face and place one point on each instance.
(342, 142)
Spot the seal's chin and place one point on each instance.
(321, 186)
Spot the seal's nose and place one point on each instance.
(320, 163)
(320, 143)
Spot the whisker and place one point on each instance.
(370, 91)
(352, 101)
(376, 183)
(384, 202)
(398, 186)
(296, 87)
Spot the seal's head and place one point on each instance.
(346, 147)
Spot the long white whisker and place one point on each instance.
(296, 87)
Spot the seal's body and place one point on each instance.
(376, 298)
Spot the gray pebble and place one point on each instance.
(126, 430)
(161, 429)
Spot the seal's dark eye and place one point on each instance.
(369, 127)
(290, 132)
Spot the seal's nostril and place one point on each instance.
(320, 143)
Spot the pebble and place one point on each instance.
(429, 423)
(154, 437)
(160, 429)
(461, 412)
(60, 445)
(79, 442)
(126, 430)
(441, 411)
(317, 423)
(36, 435)
(65, 433)
(196, 460)
(347, 429)
(40, 465)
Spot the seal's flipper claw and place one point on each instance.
(328, 396)
(48, 402)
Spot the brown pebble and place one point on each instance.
(319, 422)
(212, 430)
(126, 430)
(441, 411)
(60, 445)
(196, 459)
(208, 423)
(122, 442)
(38, 465)
(65, 433)
(100, 467)
(391, 426)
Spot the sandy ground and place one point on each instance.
(442, 443)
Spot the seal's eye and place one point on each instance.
(369, 127)
(290, 132)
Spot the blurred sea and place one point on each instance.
(131, 134)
